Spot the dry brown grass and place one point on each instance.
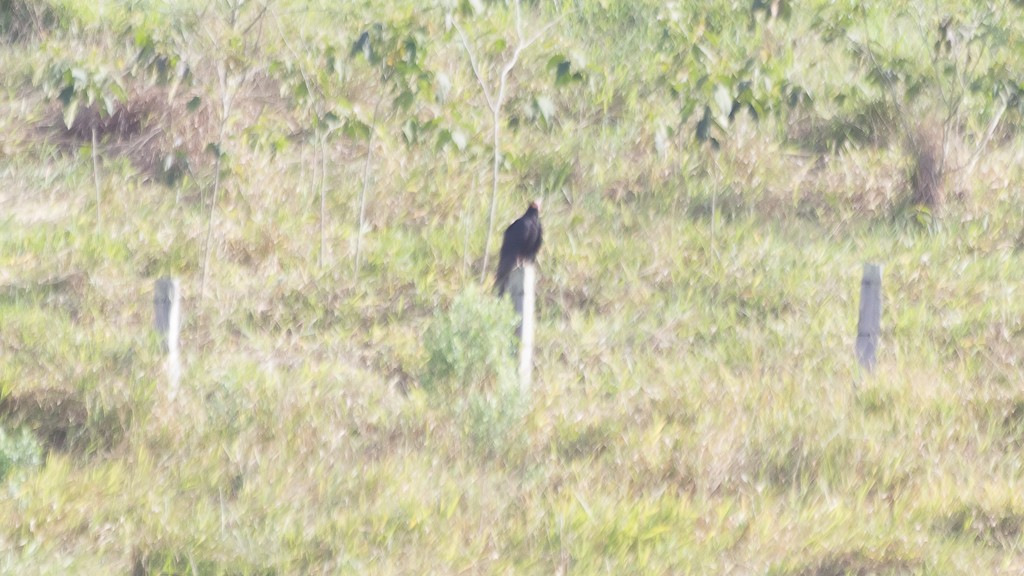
(164, 133)
(927, 150)
(21, 20)
(57, 416)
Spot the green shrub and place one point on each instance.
(20, 450)
(468, 347)
(471, 366)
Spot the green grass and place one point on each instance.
(696, 409)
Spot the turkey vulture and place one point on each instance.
(521, 243)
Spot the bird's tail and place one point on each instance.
(505, 266)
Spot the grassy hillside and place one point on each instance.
(713, 179)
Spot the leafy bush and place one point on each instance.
(471, 365)
(81, 85)
(468, 346)
(18, 451)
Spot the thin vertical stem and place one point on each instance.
(302, 170)
(494, 192)
(209, 225)
(323, 208)
(366, 182)
(466, 224)
(225, 110)
(495, 103)
(96, 179)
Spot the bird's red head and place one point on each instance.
(535, 204)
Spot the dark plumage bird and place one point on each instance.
(522, 241)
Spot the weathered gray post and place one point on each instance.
(522, 284)
(869, 324)
(167, 312)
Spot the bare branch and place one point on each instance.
(495, 103)
(366, 181)
(295, 56)
(504, 75)
(520, 47)
(256, 19)
(519, 25)
(476, 69)
(985, 139)
(543, 31)
(213, 211)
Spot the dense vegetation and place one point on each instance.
(321, 178)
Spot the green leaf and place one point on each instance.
(446, 137)
(344, 105)
(70, 111)
(459, 139)
(118, 92)
(425, 87)
(756, 109)
(704, 126)
(661, 137)
(332, 120)
(443, 138)
(562, 76)
(109, 104)
(723, 99)
(452, 506)
(703, 53)
(443, 86)
(654, 532)
(37, 75)
(687, 109)
(193, 104)
(362, 45)
(66, 95)
(405, 100)
(410, 131)
(356, 129)
(546, 108)
(80, 76)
